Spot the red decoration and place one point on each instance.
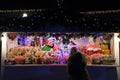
(12, 35)
(19, 59)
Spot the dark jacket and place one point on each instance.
(76, 67)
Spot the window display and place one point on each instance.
(54, 48)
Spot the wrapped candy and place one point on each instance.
(55, 47)
(96, 58)
(90, 51)
(46, 48)
(97, 50)
(48, 45)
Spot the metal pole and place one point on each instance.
(3, 52)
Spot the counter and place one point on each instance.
(55, 72)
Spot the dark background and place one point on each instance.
(85, 5)
(60, 16)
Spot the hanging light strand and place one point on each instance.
(101, 12)
(22, 10)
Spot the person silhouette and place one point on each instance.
(76, 66)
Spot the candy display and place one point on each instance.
(51, 48)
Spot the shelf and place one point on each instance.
(89, 65)
(96, 65)
(34, 65)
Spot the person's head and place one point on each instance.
(73, 51)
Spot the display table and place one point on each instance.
(55, 72)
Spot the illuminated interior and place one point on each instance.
(54, 48)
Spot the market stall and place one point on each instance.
(30, 49)
(54, 48)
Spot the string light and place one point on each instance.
(22, 10)
(41, 17)
(101, 12)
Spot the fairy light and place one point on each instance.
(22, 10)
(101, 12)
(39, 18)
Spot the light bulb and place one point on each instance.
(24, 15)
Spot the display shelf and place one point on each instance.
(7, 44)
(36, 49)
(103, 65)
(35, 65)
(89, 65)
